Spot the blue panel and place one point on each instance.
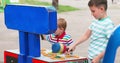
(34, 45)
(22, 58)
(23, 41)
(29, 59)
(52, 24)
(34, 19)
(113, 44)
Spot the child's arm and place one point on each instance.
(98, 58)
(83, 38)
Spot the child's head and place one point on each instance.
(61, 26)
(98, 8)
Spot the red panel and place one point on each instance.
(41, 61)
(38, 61)
(6, 53)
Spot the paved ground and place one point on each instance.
(78, 21)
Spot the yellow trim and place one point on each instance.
(61, 48)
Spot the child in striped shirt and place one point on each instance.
(60, 35)
(99, 31)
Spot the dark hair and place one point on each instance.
(98, 3)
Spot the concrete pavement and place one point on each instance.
(78, 22)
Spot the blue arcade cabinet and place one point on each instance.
(30, 21)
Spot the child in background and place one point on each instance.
(99, 31)
(60, 35)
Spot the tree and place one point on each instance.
(55, 3)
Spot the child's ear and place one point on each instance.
(102, 8)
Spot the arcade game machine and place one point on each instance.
(32, 21)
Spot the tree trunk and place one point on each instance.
(55, 3)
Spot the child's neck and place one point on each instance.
(104, 16)
(62, 34)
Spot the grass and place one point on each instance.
(62, 8)
(38, 3)
(1, 9)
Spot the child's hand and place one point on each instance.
(96, 60)
(70, 48)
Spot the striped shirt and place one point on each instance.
(101, 31)
(63, 38)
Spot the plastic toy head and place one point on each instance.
(58, 48)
